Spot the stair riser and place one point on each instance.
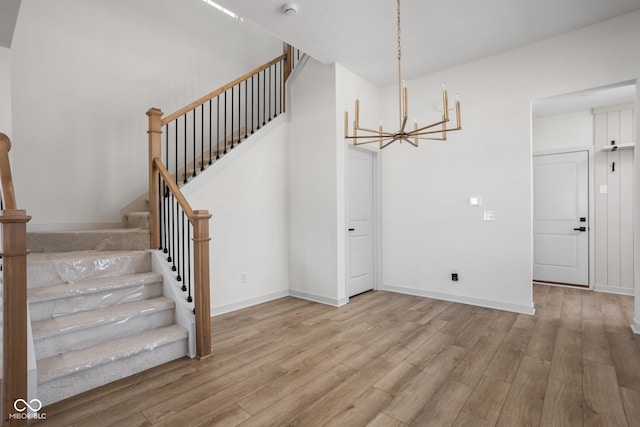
(47, 309)
(138, 220)
(78, 382)
(78, 339)
(46, 272)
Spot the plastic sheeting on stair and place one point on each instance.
(77, 269)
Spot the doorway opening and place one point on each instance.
(599, 123)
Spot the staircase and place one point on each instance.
(97, 310)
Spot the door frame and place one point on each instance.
(376, 227)
(591, 203)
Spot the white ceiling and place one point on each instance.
(621, 93)
(361, 34)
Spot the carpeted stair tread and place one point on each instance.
(119, 313)
(101, 354)
(84, 287)
(47, 269)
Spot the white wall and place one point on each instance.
(348, 87)
(84, 72)
(5, 91)
(317, 198)
(428, 228)
(313, 204)
(563, 131)
(246, 193)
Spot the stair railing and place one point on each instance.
(194, 137)
(14, 282)
(173, 219)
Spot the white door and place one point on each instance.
(359, 222)
(560, 223)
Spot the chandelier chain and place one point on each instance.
(399, 48)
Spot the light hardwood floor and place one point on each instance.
(388, 359)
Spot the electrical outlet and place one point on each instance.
(454, 276)
(244, 278)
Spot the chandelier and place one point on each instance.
(434, 131)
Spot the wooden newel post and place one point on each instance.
(14, 288)
(201, 282)
(14, 294)
(155, 151)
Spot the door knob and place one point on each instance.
(580, 229)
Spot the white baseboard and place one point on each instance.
(613, 290)
(216, 311)
(635, 326)
(319, 299)
(499, 305)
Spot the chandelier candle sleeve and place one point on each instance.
(434, 131)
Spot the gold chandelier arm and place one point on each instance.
(441, 122)
(431, 132)
(377, 132)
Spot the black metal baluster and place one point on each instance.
(210, 135)
(166, 144)
(269, 93)
(245, 108)
(181, 248)
(172, 259)
(232, 112)
(194, 143)
(178, 239)
(165, 201)
(264, 98)
(253, 89)
(281, 91)
(225, 122)
(176, 151)
(159, 207)
(258, 104)
(185, 148)
(189, 299)
(218, 127)
(202, 137)
(239, 114)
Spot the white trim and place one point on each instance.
(635, 326)
(481, 302)
(613, 290)
(217, 311)
(591, 202)
(319, 299)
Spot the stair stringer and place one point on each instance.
(171, 288)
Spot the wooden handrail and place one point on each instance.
(157, 163)
(200, 101)
(14, 289)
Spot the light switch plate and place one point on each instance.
(488, 216)
(604, 189)
(475, 201)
